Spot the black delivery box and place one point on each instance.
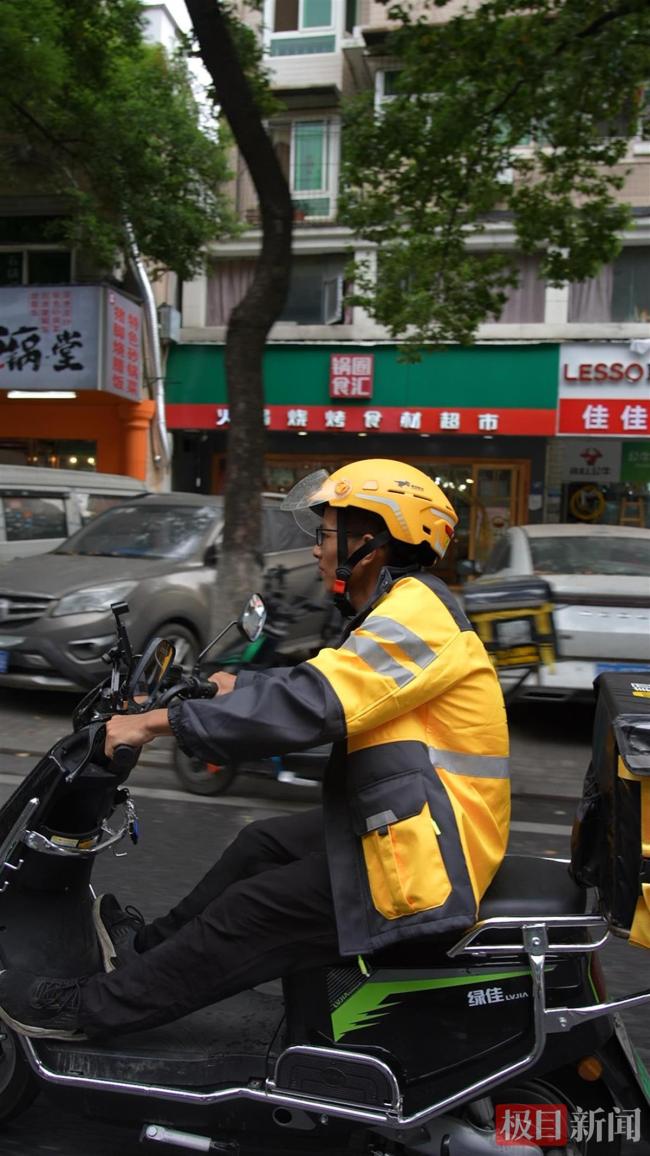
(610, 844)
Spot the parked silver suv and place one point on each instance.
(157, 552)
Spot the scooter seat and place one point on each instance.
(526, 886)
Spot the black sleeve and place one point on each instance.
(285, 710)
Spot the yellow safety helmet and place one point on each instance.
(413, 507)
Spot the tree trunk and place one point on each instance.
(239, 567)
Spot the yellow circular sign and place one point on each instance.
(588, 503)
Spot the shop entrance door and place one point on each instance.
(497, 504)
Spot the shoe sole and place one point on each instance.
(39, 1033)
(105, 942)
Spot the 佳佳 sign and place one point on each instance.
(604, 389)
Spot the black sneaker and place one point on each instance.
(116, 928)
(36, 1005)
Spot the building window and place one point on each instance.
(619, 292)
(301, 15)
(301, 27)
(315, 291)
(526, 301)
(35, 267)
(308, 152)
(227, 285)
(385, 86)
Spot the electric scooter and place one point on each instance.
(426, 1047)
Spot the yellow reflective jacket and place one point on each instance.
(416, 795)
(417, 799)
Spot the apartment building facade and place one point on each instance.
(546, 417)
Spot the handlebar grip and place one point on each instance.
(125, 757)
(208, 689)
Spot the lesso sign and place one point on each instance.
(589, 371)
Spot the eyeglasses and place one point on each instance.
(321, 531)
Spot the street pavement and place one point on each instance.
(183, 834)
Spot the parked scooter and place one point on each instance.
(299, 769)
(421, 1048)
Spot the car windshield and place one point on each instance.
(615, 556)
(144, 531)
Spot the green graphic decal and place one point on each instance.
(372, 1001)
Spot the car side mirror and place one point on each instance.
(210, 555)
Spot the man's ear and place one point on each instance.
(372, 557)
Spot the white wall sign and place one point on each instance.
(77, 337)
(591, 461)
(604, 390)
(603, 370)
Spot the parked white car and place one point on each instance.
(599, 578)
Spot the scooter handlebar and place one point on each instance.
(124, 757)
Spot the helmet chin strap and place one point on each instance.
(346, 564)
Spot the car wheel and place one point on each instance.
(201, 778)
(184, 642)
(18, 1086)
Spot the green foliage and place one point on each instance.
(95, 113)
(562, 77)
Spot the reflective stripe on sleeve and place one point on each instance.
(474, 766)
(377, 658)
(388, 630)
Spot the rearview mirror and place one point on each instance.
(250, 623)
(152, 667)
(252, 618)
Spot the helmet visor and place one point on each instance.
(306, 492)
(305, 499)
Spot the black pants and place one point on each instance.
(265, 909)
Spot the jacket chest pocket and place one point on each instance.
(401, 848)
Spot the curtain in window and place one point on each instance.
(525, 303)
(631, 289)
(227, 284)
(591, 300)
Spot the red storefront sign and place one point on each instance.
(604, 416)
(377, 419)
(351, 375)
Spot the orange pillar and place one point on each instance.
(136, 418)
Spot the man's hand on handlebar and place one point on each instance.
(134, 730)
(224, 681)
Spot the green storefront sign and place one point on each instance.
(510, 376)
(635, 462)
